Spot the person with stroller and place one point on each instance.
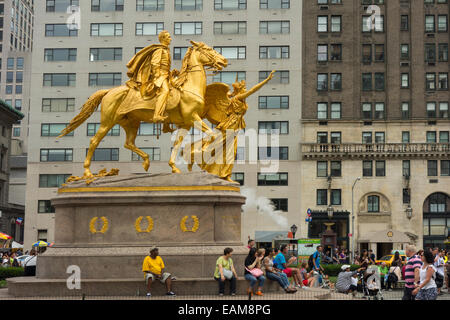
(344, 280)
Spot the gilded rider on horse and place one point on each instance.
(149, 72)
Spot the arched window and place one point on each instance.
(437, 203)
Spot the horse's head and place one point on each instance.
(209, 57)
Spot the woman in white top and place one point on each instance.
(427, 289)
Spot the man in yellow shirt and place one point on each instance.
(153, 267)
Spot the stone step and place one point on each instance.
(32, 286)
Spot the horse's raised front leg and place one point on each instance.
(101, 133)
(131, 128)
(181, 133)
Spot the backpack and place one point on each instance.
(310, 261)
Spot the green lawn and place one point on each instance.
(3, 284)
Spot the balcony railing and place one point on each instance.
(378, 150)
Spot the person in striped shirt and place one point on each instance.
(412, 272)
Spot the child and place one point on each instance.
(354, 280)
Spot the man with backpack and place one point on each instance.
(314, 262)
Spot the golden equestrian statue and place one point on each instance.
(153, 94)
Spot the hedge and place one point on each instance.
(333, 270)
(11, 272)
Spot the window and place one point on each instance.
(273, 153)
(335, 138)
(60, 5)
(379, 81)
(443, 110)
(232, 53)
(106, 29)
(443, 52)
(230, 27)
(273, 102)
(272, 179)
(404, 51)
(60, 55)
(107, 5)
(406, 168)
(380, 168)
(379, 52)
(336, 23)
(238, 177)
(404, 23)
(336, 110)
(367, 169)
(188, 28)
(149, 129)
(432, 168)
(16, 132)
(322, 81)
(430, 52)
(431, 109)
(274, 52)
(105, 79)
(336, 170)
(280, 204)
(379, 137)
(322, 197)
(149, 5)
(431, 136)
(59, 79)
(437, 203)
(367, 137)
(105, 54)
(405, 110)
(105, 154)
(445, 168)
(230, 4)
(429, 24)
(404, 81)
(322, 137)
(366, 81)
(179, 53)
(406, 137)
(153, 153)
(322, 24)
(229, 77)
(188, 4)
(42, 235)
(367, 111)
(149, 28)
(373, 203)
(60, 30)
(406, 196)
(322, 169)
(45, 206)
(379, 111)
(336, 52)
(442, 81)
(322, 52)
(444, 137)
(92, 129)
(49, 155)
(322, 110)
(280, 77)
(52, 180)
(274, 27)
(53, 129)
(335, 197)
(442, 23)
(273, 127)
(274, 4)
(335, 81)
(58, 104)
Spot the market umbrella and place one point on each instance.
(4, 236)
(41, 244)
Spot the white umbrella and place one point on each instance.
(16, 245)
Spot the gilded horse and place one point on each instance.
(124, 106)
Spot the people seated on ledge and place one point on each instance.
(275, 274)
(253, 272)
(153, 267)
(225, 271)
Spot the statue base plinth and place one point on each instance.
(107, 227)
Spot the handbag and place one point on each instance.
(228, 274)
(255, 272)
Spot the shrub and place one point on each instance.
(333, 270)
(11, 272)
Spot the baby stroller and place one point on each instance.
(326, 283)
(371, 284)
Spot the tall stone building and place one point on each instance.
(375, 107)
(9, 213)
(70, 64)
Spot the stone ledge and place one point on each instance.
(31, 286)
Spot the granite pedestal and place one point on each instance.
(106, 229)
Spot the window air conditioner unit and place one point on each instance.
(323, 7)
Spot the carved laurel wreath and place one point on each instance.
(137, 224)
(194, 227)
(104, 227)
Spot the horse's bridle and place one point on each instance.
(212, 56)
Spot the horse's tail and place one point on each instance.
(86, 111)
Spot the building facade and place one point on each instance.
(9, 213)
(69, 64)
(375, 107)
